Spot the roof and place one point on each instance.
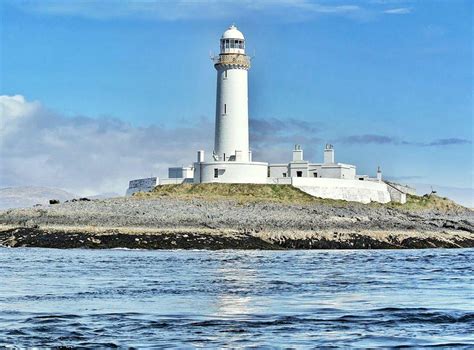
(232, 33)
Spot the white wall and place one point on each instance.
(277, 170)
(396, 195)
(142, 185)
(403, 188)
(314, 168)
(233, 172)
(349, 190)
(279, 180)
(175, 181)
(294, 167)
(338, 171)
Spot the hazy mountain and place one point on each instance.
(27, 196)
(105, 195)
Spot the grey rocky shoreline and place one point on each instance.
(196, 223)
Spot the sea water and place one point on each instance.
(230, 298)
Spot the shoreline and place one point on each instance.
(188, 238)
(238, 217)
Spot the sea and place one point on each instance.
(236, 298)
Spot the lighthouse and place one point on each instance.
(231, 159)
(231, 142)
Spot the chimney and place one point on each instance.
(200, 156)
(329, 154)
(297, 153)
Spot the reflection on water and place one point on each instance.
(236, 298)
(234, 274)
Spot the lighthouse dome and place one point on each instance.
(232, 41)
(233, 33)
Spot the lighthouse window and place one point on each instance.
(225, 73)
(226, 43)
(225, 108)
(216, 173)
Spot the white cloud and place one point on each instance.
(398, 11)
(15, 106)
(84, 155)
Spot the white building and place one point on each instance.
(231, 160)
(299, 167)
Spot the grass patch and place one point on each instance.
(242, 193)
(248, 193)
(429, 202)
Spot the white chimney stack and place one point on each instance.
(329, 154)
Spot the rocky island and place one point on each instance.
(233, 216)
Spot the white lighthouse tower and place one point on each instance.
(231, 160)
(232, 127)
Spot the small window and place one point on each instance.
(299, 174)
(284, 174)
(216, 173)
(225, 73)
(315, 174)
(225, 108)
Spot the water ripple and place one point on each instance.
(123, 298)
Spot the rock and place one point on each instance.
(255, 225)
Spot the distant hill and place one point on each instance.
(105, 195)
(463, 196)
(27, 196)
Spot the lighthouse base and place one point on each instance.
(231, 172)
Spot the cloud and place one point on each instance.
(404, 178)
(15, 106)
(448, 142)
(185, 9)
(368, 138)
(398, 11)
(86, 155)
(383, 139)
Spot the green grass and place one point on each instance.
(247, 193)
(242, 193)
(429, 202)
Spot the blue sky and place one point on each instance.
(389, 83)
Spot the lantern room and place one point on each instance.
(232, 41)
